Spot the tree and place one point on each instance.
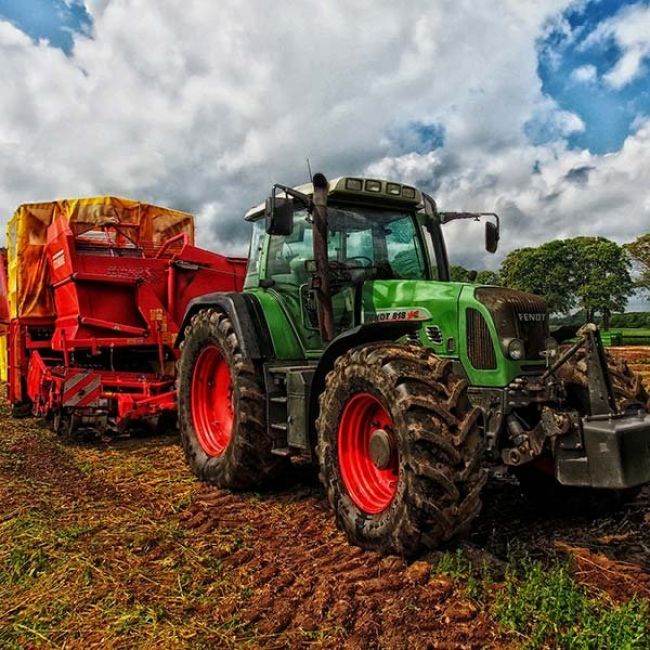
(487, 277)
(602, 278)
(458, 273)
(589, 272)
(639, 252)
(545, 271)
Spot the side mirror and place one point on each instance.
(429, 207)
(279, 215)
(491, 237)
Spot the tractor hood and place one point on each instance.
(474, 324)
(433, 303)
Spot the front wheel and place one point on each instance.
(222, 407)
(399, 448)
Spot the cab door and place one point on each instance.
(289, 282)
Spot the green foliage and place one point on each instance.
(487, 277)
(602, 278)
(459, 273)
(639, 252)
(589, 272)
(545, 271)
(549, 609)
(544, 605)
(455, 565)
(631, 319)
(475, 580)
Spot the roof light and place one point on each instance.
(408, 192)
(393, 188)
(354, 184)
(373, 186)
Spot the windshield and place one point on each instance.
(370, 243)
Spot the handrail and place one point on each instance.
(181, 235)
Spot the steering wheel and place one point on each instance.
(361, 257)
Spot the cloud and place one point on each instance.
(202, 106)
(629, 29)
(579, 175)
(585, 74)
(573, 192)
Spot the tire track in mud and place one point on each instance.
(303, 576)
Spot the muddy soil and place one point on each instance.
(305, 577)
(119, 546)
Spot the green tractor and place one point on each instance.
(350, 347)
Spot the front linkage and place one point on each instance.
(594, 439)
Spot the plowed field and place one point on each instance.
(116, 545)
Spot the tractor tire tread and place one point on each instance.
(247, 462)
(440, 447)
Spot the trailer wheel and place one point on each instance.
(222, 407)
(21, 410)
(400, 448)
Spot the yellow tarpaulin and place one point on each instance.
(4, 316)
(3, 358)
(29, 292)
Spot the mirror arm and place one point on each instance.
(446, 217)
(305, 199)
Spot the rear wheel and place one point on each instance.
(399, 448)
(222, 407)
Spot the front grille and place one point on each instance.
(517, 315)
(479, 342)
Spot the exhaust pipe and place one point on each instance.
(322, 281)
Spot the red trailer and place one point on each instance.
(97, 291)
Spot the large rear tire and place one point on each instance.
(222, 407)
(399, 448)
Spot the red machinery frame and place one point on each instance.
(106, 359)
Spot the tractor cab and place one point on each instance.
(380, 238)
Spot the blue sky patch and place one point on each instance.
(419, 137)
(608, 113)
(53, 20)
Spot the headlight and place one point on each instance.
(515, 349)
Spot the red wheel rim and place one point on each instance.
(372, 489)
(212, 411)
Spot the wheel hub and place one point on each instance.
(211, 401)
(368, 453)
(380, 448)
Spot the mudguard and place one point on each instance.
(246, 315)
(366, 333)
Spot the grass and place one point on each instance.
(627, 336)
(92, 552)
(545, 607)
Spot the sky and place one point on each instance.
(539, 111)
